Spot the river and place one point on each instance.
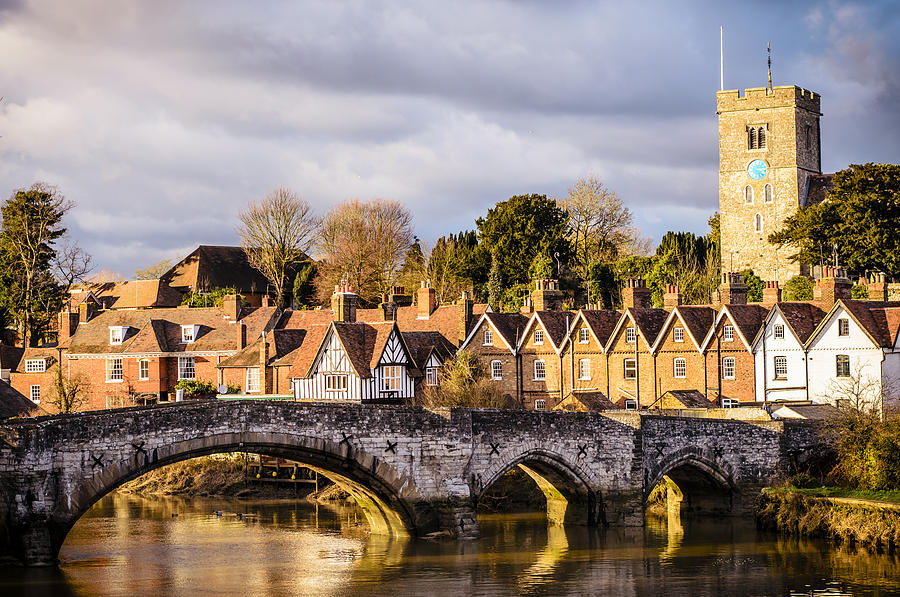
(133, 546)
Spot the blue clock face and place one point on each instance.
(757, 169)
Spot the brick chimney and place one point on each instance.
(546, 295)
(877, 287)
(86, 312)
(231, 306)
(68, 323)
(425, 301)
(732, 290)
(771, 293)
(832, 287)
(265, 381)
(266, 300)
(240, 335)
(388, 309)
(672, 298)
(635, 294)
(465, 305)
(343, 303)
(399, 297)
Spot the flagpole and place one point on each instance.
(722, 58)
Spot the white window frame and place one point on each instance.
(35, 365)
(630, 336)
(728, 367)
(143, 369)
(431, 376)
(488, 339)
(584, 369)
(843, 326)
(730, 402)
(583, 336)
(780, 362)
(34, 392)
(679, 368)
(335, 382)
(188, 334)
(115, 370)
(540, 404)
(496, 370)
(390, 378)
(728, 333)
(183, 363)
(678, 334)
(779, 331)
(631, 404)
(837, 366)
(540, 370)
(626, 368)
(251, 380)
(116, 335)
(538, 336)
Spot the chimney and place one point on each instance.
(832, 287)
(672, 298)
(68, 323)
(241, 335)
(86, 312)
(343, 304)
(877, 287)
(265, 382)
(388, 309)
(231, 305)
(546, 295)
(425, 301)
(732, 290)
(465, 315)
(635, 294)
(266, 300)
(399, 297)
(771, 293)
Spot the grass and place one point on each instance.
(892, 496)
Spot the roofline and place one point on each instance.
(711, 333)
(475, 329)
(665, 326)
(107, 355)
(789, 326)
(821, 327)
(536, 315)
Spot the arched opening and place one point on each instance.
(690, 485)
(543, 480)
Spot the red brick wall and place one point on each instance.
(742, 386)
(695, 363)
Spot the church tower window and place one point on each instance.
(758, 223)
(751, 141)
(761, 135)
(748, 194)
(768, 191)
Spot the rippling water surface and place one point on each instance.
(134, 546)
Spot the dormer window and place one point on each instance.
(116, 334)
(35, 365)
(188, 333)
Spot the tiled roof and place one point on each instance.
(802, 317)
(602, 323)
(816, 188)
(813, 412)
(687, 399)
(302, 358)
(13, 357)
(592, 401)
(510, 325)
(880, 320)
(14, 404)
(748, 318)
(698, 320)
(281, 343)
(422, 344)
(649, 322)
(215, 266)
(444, 319)
(556, 323)
(304, 318)
(131, 294)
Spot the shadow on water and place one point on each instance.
(127, 544)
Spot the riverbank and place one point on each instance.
(871, 523)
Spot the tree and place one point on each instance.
(304, 285)
(70, 393)
(798, 288)
(495, 284)
(754, 284)
(599, 224)
(364, 244)
(276, 233)
(465, 383)
(516, 230)
(155, 271)
(860, 220)
(35, 275)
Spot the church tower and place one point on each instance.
(768, 145)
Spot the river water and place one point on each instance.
(128, 545)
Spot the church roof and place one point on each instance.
(816, 189)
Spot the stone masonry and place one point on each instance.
(412, 470)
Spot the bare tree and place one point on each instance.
(861, 392)
(465, 383)
(70, 393)
(276, 233)
(599, 223)
(154, 271)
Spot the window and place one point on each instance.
(540, 404)
(391, 380)
(842, 363)
(252, 384)
(843, 327)
(752, 142)
(584, 368)
(728, 333)
(488, 337)
(35, 365)
(116, 333)
(144, 369)
(758, 223)
(583, 336)
(679, 366)
(114, 370)
(728, 368)
(187, 334)
(781, 369)
(748, 194)
(335, 383)
(629, 335)
(761, 137)
(185, 367)
(538, 336)
(729, 403)
(36, 394)
(779, 331)
(768, 192)
(540, 370)
(496, 370)
(678, 335)
(431, 376)
(631, 404)
(630, 369)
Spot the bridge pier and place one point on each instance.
(456, 515)
(33, 544)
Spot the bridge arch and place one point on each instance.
(695, 481)
(570, 499)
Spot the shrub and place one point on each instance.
(798, 288)
(196, 388)
(859, 291)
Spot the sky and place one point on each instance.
(162, 120)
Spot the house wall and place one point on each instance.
(621, 388)
(793, 387)
(509, 385)
(548, 389)
(574, 351)
(743, 386)
(22, 381)
(667, 351)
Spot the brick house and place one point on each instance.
(209, 267)
(585, 373)
(540, 354)
(31, 372)
(731, 377)
(679, 363)
(129, 294)
(494, 340)
(631, 365)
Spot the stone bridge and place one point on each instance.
(413, 471)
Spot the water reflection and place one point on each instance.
(127, 544)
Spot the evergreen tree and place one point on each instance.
(304, 285)
(495, 284)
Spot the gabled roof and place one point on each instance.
(282, 343)
(880, 321)
(14, 404)
(747, 320)
(130, 294)
(304, 356)
(801, 318)
(13, 357)
(687, 399)
(211, 266)
(591, 401)
(696, 319)
(647, 322)
(423, 344)
(508, 325)
(600, 323)
(444, 319)
(555, 323)
(364, 344)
